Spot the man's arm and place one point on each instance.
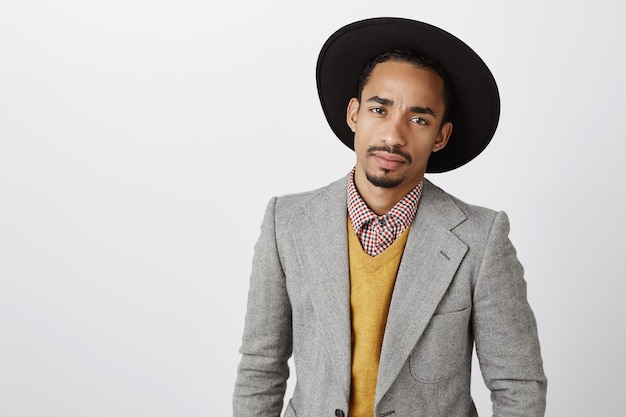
(267, 338)
(506, 332)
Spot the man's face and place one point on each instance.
(397, 125)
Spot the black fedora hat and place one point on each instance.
(476, 102)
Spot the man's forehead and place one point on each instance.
(409, 79)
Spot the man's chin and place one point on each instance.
(384, 181)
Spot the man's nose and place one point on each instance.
(393, 133)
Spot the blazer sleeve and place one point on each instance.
(505, 330)
(267, 339)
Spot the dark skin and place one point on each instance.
(397, 125)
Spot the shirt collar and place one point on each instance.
(403, 212)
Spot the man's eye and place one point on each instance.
(419, 120)
(377, 110)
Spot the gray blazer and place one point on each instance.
(459, 283)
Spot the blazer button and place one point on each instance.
(339, 413)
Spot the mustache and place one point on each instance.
(391, 150)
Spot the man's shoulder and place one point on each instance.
(327, 194)
(297, 210)
(472, 212)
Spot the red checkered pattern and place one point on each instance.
(375, 232)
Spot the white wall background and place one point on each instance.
(140, 141)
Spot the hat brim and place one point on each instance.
(476, 102)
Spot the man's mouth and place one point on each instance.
(388, 161)
(389, 158)
(387, 153)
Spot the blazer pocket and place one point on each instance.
(442, 349)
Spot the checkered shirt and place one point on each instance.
(375, 232)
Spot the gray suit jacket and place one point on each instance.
(459, 283)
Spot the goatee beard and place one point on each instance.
(383, 181)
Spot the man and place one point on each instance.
(381, 283)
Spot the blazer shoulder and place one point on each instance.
(476, 216)
(291, 207)
(335, 190)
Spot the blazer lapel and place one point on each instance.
(322, 249)
(431, 257)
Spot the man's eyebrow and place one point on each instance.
(413, 109)
(380, 100)
(423, 110)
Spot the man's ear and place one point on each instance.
(444, 136)
(351, 113)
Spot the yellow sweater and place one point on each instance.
(371, 284)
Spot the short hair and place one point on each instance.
(418, 60)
